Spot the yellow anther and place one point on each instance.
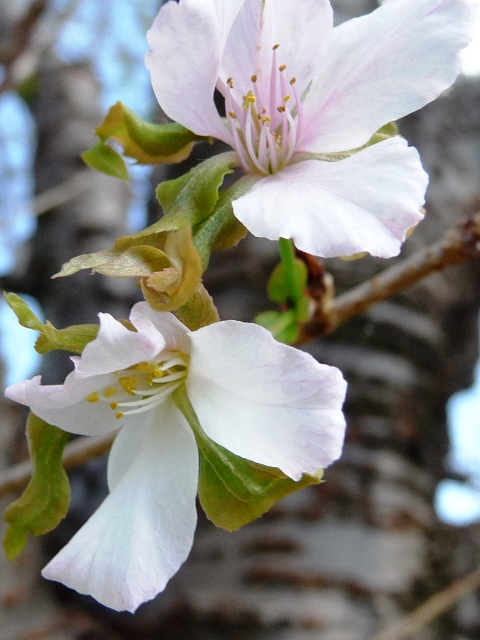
(108, 392)
(287, 98)
(266, 119)
(119, 415)
(232, 115)
(230, 82)
(250, 98)
(128, 384)
(254, 77)
(282, 67)
(93, 397)
(275, 47)
(144, 367)
(113, 405)
(293, 80)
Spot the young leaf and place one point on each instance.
(105, 159)
(278, 288)
(46, 499)
(234, 491)
(143, 141)
(73, 338)
(283, 325)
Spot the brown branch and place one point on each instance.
(460, 244)
(17, 477)
(431, 609)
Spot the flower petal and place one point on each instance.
(150, 322)
(116, 348)
(65, 405)
(186, 42)
(383, 66)
(366, 202)
(301, 28)
(138, 538)
(265, 401)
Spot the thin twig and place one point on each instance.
(460, 244)
(431, 609)
(17, 477)
(62, 193)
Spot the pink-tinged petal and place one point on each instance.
(150, 323)
(141, 534)
(186, 44)
(116, 348)
(366, 202)
(301, 28)
(383, 66)
(65, 405)
(265, 401)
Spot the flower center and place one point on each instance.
(147, 383)
(267, 124)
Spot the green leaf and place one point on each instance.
(187, 200)
(192, 197)
(234, 491)
(105, 159)
(221, 229)
(278, 288)
(283, 325)
(143, 141)
(46, 499)
(73, 338)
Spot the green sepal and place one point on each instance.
(234, 491)
(46, 499)
(73, 339)
(278, 288)
(105, 159)
(143, 141)
(199, 311)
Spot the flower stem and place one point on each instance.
(292, 280)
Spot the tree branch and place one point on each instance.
(460, 244)
(431, 609)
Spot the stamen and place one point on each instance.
(119, 415)
(282, 67)
(108, 392)
(230, 82)
(128, 384)
(93, 397)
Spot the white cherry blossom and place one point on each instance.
(261, 400)
(296, 89)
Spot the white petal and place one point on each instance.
(367, 202)
(65, 406)
(117, 348)
(150, 322)
(383, 66)
(186, 42)
(265, 401)
(142, 533)
(301, 28)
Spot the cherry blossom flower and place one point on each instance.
(261, 400)
(296, 89)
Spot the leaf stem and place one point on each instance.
(287, 254)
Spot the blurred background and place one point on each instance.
(397, 519)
